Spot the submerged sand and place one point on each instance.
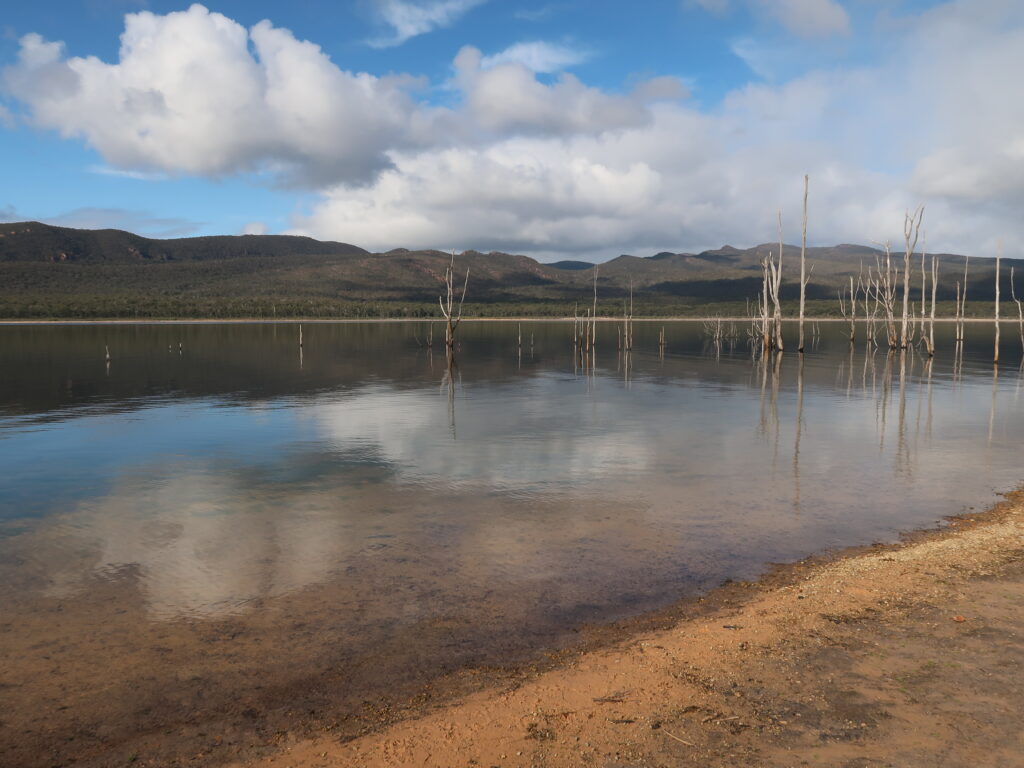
(907, 655)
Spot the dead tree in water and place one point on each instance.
(770, 326)
(935, 290)
(871, 303)
(714, 329)
(576, 326)
(448, 309)
(803, 269)
(764, 327)
(924, 285)
(911, 227)
(851, 316)
(584, 329)
(884, 287)
(627, 320)
(962, 303)
(428, 339)
(776, 284)
(956, 316)
(999, 256)
(1020, 308)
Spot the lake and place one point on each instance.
(217, 536)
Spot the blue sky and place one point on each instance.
(550, 128)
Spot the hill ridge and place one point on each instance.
(49, 271)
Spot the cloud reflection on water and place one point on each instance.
(689, 471)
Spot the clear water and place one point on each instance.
(355, 515)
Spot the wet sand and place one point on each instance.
(905, 655)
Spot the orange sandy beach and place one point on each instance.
(907, 655)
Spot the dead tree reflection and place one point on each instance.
(799, 432)
(992, 410)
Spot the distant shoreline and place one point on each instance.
(391, 320)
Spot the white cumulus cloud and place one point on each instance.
(194, 92)
(538, 56)
(508, 98)
(554, 165)
(409, 18)
(914, 127)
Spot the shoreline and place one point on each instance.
(832, 660)
(391, 320)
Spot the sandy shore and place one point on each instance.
(906, 655)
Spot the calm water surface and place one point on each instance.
(193, 538)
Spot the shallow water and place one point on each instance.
(195, 538)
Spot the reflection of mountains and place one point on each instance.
(51, 368)
(54, 372)
(279, 499)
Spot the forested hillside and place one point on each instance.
(56, 272)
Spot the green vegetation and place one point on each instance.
(53, 272)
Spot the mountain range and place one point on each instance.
(58, 272)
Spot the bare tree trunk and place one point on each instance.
(1020, 308)
(999, 256)
(629, 325)
(871, 290)
(963, 302)
(776, 324)
(625, 326)
(935, 289)
(956, 321)
(803, 263)
(886, 293)
(851, 316)
(766, 261)
(779, 345)
(452, 319)
(924, 286)
(627, 320)
(911, 226)
(593, 319)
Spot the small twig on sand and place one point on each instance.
(717, 717)
(681, 741)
